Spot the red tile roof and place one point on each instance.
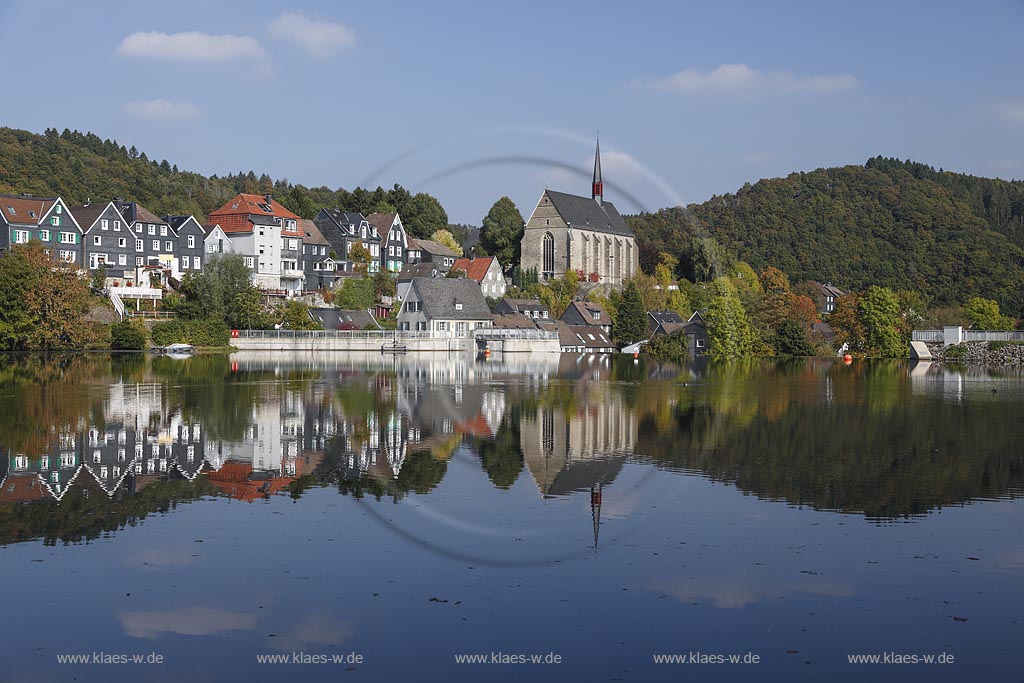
(16, 208)
(475, 269)
(233, 217)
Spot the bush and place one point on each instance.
(194, 332)
(955, 352)
(996, 345)
(127, 336)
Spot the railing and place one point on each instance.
(927, 335)
(513, 333)
(139, 292)
(153, 315)
(115, 299)
(331, 334)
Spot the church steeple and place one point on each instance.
(597, 187)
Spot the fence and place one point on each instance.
(514, 333)
(329, 334)
(938, 336)
(927, 336)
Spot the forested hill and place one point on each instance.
(898, 224)
(80, 166)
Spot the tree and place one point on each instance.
(383, 285)
(983, 314)
(630, 317)
(360, 257)
(447, 239)
(791, 339)
(558, 294)
(423, 216)
(356, 293)
(880, 315)
(294, 315)
(127, 336)
(845, 321)
(246, 311)
(729, 330)
(43, 302)
(502, 232)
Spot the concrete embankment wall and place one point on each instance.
(374, 345)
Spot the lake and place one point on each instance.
(338, 517)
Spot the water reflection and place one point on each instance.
(92, 443)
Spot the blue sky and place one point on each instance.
(474, 100)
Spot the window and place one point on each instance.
(67, 459)
(249, 262)
(97, 240)
(163, 231)
(54, 220)
(122, 242)
(58, 208)
(21, 236)
(191, 241)
(103, 224)
(700, 343)
(138, 261)
(152, 229)
(549, 255)
(185, 260)
(66, 238)
(44, 235)
(139, 245)
(67, 256)
(122, 259)
(209, 248)
(156, 245)
(195, 263)
(117, 226)
(168, 245)
(458, 307)
(391, 251)
(596, 314)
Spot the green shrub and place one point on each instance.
(996, 345)
(194, 332)
(127, 336)
(955, 352)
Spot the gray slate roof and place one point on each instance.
(411, 271)
(336, 318)
(440, 295)
(584, 213)
(432, 247)
(311, 233)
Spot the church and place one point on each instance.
(568, 232)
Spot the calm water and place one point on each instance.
(391, 515)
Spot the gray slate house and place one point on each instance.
(580, 338)
(316, 261)
(342, 230)
(412, 271)
(825, 297)
(24, 218)
(107, 240)
(660, 322)
(531, 308)
(696, 335)
(394, 240)
(429, 251)
(191, 242)
(444, 307)
(587, 313)
(158, 241)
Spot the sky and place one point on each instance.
(471, 101)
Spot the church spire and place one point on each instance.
(597, 187)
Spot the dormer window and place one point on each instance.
(57, 209)
(458, 307)
(32, 214)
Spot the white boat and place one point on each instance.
(175, 350)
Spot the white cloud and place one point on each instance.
(1012, 112)
(320, 39)
(741, 79)
(162, 110)
(190, 46)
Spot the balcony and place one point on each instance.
(292, 274)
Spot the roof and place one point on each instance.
(134, 213)
(440, 296)
(336, 318)
(234, 216)
(513, 321)
(475, 268)
(666, 317)
(586, 310)
(670, 327)
(345, 218)
(578, 335)
(310, 233)
(87, 214)
(431, 247)
(177, 221)
(521, 305)
(20, 209)
(381, 221)
(411, 271)
(585, 213)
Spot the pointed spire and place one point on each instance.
(597, 187)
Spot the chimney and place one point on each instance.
(269, 198)
(472, 252)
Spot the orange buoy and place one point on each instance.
(487, 352)
(847, 359)
(636, 354)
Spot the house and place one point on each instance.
(696, 335)
(47, 219)
(191, 242)
(316, 260)
(412, 271)
(267, 234)
(568, 232)
(487, 271)
(444, 307)
(825, 296)
(587, 313)
(429, 251)
(155, 236)
(107, 240)
(663, 322)
(217, 242)
(344, 229)
(513, 321)
(531, 308)
(580, 338)
(338, 319)
(394, 240)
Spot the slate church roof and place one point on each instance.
(584, 213)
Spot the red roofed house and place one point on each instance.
(487, 271)
(24, 218)
(269, 237)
